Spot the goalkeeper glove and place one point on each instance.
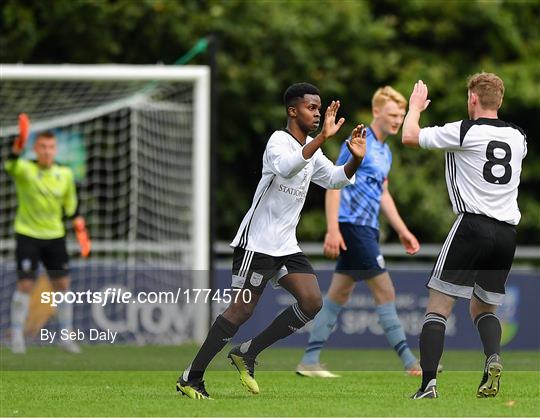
(79, 225)
(24, 130)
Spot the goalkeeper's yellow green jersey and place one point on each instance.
(44, 195)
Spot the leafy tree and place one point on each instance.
(346, 48)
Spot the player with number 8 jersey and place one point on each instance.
(483, 167)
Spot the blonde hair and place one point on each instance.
(489, 87)
(385, 94)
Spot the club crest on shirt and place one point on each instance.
(256, 279)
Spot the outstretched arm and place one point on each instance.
(388, 207)
(13, 164)
(288, 165)
(418, 102)
(24, 130)
(330, 127)
(329, 176)
(357, 147)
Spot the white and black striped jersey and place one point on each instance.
(483, 165)
(270, 224)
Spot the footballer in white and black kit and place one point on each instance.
(265, 247)
(483, 168)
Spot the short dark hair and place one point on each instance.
(46, 135)
(297, 91)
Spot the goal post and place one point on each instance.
(141, 134)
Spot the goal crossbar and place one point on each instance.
(105, 72)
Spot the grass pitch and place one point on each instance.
(126, 381)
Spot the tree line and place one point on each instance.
(347, 48)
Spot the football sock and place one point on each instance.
(19, 311)
(64, 314)
(431, 346)
(321, 329)
(389, 321)
(287, 322)
(489, 328)
(220, 333)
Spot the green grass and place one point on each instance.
(123, 381)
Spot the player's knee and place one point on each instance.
(60, 284)
(311, 304)
(384, 294)
(383, 297)
(239, 312)
(341, 295)
(478, 307)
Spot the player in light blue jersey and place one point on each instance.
(353, 235)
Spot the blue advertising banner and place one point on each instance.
(173, 322)
(358, 323)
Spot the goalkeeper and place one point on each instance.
(45, 194)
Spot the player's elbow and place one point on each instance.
(70, 212)
(339, 185)
(334, 184)
(410, 139)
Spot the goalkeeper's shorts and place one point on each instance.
(51, 252)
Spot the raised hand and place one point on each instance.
(419, 100)
(357, 143)
(330, 126)
(24, 130)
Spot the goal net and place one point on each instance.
(137, 140)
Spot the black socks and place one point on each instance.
(490, 331)
(220, 333)
(287, 322)
(431, 346)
